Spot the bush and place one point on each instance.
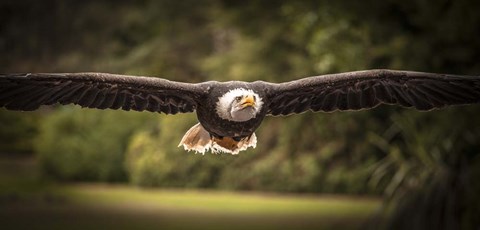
(77, 144)
(17, 131)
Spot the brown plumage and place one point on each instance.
(344, 91)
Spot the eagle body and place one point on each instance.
(230, 112)
(220, 127)
(218, 130)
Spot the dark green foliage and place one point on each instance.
(17, 131)
(87, 145)
(430, 169)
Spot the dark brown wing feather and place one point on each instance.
(98, 90)
(368, 89)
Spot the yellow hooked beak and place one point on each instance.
(249, 100)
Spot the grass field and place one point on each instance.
(26, 203)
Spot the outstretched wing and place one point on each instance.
(98, 90)
(368, 89)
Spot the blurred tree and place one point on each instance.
(87, 145)
(429, 169)
(17, 132)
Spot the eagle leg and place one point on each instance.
(233, 145)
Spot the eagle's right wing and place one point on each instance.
(367, 89)
(98, 90)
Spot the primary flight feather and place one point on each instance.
(230, 112)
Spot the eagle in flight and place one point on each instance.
(230, 112)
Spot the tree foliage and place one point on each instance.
(86, 145)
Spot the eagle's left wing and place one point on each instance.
(368, 89)
(99, 90)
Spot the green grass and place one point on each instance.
(25, 203)
(225, 202)
(96, 206)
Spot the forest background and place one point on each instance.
(419, 160)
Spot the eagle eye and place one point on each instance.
(238, 99)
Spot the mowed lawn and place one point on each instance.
(100, 206)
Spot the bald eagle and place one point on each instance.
(230, 112)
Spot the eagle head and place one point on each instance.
(239, 105)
